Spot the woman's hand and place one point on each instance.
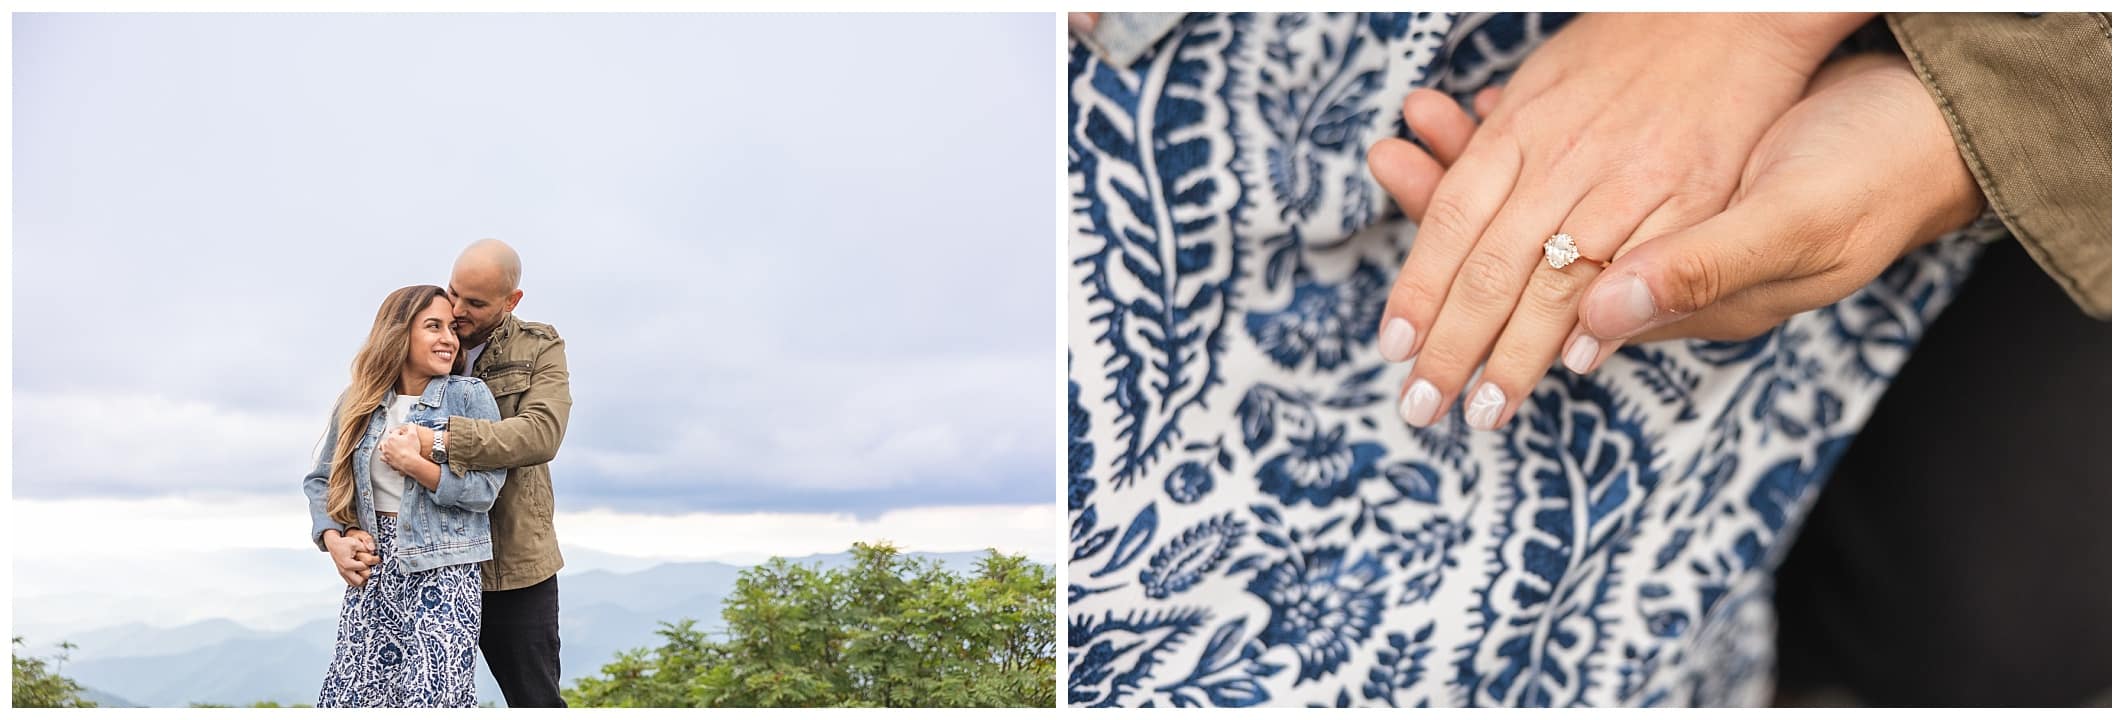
(405, 448)
(1857, 174)
(1622, 127)
(401, 449)
(353, 553)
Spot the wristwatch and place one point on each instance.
(437, 453)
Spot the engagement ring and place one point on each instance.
(1562, 250)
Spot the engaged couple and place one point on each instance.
(440, 516)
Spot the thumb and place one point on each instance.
(1668, 278)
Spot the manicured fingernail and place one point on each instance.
(1397, 341)
(1419, 404)
(1580, 357)
(1619, 308)
(1484, 407)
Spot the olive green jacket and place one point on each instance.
(2027, 99)
(526, 367)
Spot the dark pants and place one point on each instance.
(1960, 554)
(520, 638)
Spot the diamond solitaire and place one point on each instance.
(1561, 250)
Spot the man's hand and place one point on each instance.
(405, 448)
(353, 554)
(1604, 134)
(1859, 173)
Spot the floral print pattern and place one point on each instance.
(1251, 523)
(406, 639)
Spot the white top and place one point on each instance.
(472, 356)
(391, 485)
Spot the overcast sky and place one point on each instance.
(803, 264)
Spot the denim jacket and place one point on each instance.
(435, 529)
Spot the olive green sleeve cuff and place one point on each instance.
(2027, 99)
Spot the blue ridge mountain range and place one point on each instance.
(226, 662)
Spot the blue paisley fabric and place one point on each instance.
(406, 639)
(1252, 524)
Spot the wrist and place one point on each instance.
(438, 450)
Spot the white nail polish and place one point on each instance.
(1580, 357)
(1419, 404)
(1484, 407)
(1397, 340)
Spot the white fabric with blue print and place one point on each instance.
(1252, 524)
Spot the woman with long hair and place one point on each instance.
(409, 626)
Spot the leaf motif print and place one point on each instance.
(1666, 377)
(1312, 104)
(1133, 541)
(1191, 556)
(1581, 467)
(1229, 649)
(1110, 656)
(1158, 259)
(1081, 452)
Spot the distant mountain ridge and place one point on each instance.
(222, 662)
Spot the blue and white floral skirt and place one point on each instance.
(406, 639)
(1250, 521)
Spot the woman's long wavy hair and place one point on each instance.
(376, 372)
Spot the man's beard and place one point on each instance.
(466, 341)
(476, 337)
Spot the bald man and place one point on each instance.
(526, 367)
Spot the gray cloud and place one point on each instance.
(801, 262)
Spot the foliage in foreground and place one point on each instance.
(889, 630)
(38, 687)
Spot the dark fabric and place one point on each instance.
(1959, 556)
(520, 639)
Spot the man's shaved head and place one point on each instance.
(483, 286)
(493, 256)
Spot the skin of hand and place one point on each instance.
(353, 554)
(1619, 127)
(1859, 173)
(405, 449)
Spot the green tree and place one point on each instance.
(644, 677)
(37, 687)
(890, 630)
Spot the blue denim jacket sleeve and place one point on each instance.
(474, 490)
(313, 484)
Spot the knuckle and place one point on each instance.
(1447, 216)
(1490, 279)
(1694, 282)
(1815, 255)
(1410, 295)
(1567, 145)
